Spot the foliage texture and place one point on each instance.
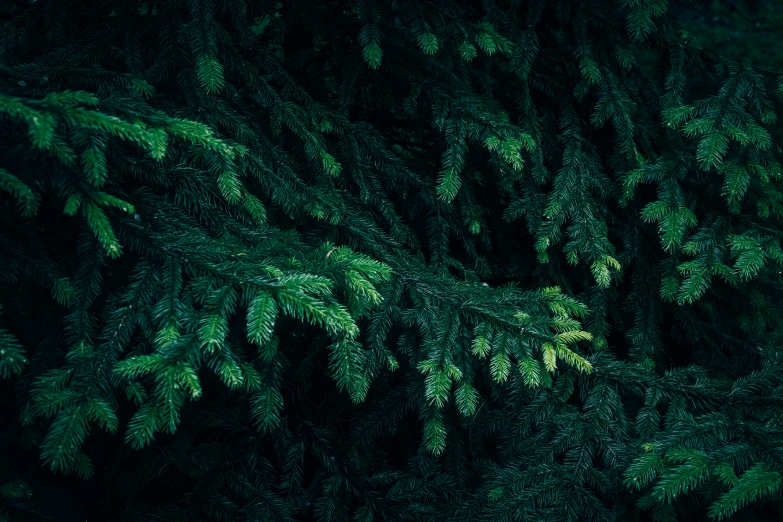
(510, 260)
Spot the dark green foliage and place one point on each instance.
(744, 30)
(504, 260)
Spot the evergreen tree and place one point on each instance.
(511, 260)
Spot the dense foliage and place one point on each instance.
(738, 30)
(409, 260)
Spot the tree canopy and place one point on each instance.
(509, 260)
